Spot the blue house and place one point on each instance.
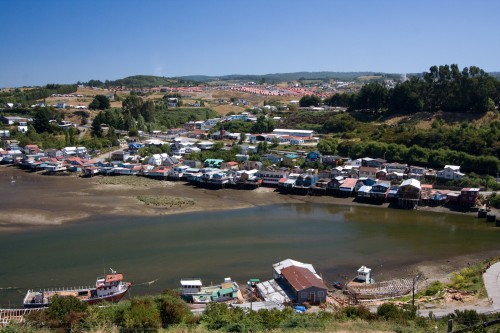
(306, 180)
(380, 191)
(313, 157)
(275, 159)
(133, 147)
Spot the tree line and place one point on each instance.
(416, 155)
(28, 96)
(443, 88)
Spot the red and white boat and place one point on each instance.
(110, 288)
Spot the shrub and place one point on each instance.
(388, 311)
(434, 288)
(173, 310)
(64, 314)
(467, 317)
(309, 321)
(271, 319)
(468, 278)
(216, 316)
(142, 315)
(355, 312)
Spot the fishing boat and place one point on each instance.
(110, 288)
(193, 291)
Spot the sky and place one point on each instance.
(68, 41)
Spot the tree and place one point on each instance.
(100, 102)
(141, 125)
(148, 111)
(243, 137)
(96, 126)
(41, 120)
(112, 136)
(133, 105)
(275, 142)
(309, 100)
(328, 146)
(372, 96)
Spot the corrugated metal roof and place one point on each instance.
(272, 291)
(191, 282)
(301, 278)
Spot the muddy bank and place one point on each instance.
(34, 199)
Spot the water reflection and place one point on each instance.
(241, 244)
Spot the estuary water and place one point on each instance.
(240, 244)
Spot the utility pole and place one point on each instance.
(415, 279)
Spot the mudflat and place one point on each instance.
(34, 199)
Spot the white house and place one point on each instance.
(22, 127)
(205, 145)
(293, 132)
(272, 177)
(157, 159)
(450, 172)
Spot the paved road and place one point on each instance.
(492, 284)
(491, 280)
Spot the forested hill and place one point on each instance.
(137, 81)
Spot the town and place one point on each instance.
(366, 180)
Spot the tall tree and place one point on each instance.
(133, 105)
(41, 120)
(96, 126)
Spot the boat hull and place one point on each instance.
(115, 297)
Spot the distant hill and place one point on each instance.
(148, 81)
(140, 81)
(286, 77)
(495, 74)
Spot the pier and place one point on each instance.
(8, 316)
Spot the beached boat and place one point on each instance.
(110, 288)
(193, 291)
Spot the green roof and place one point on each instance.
(223, 291)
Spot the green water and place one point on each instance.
(241, 244)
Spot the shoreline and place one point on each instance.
(86, 197)
(32, 201)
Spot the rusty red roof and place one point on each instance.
(301, 278)
(349, 182)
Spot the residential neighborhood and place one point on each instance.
(366, 180)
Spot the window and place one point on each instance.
(321, 293)
(303, 294)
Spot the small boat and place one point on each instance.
(193, 291)
(338, 285)
(110, 288)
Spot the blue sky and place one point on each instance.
(68, 41)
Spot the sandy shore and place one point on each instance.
(33, 200)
